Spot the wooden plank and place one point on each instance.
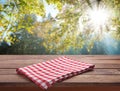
(97, 59)
(41, 60)
(25, 57)
(70, 88)
(98, 79)
(17, 65)
(80, 79)
(94, 72)
(103, 57)
(24, 62)
(104, 72)
(21, 61)
(13, 79)
(110, 66)
(47, 57)
(8, 72)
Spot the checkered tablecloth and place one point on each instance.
(45, 74)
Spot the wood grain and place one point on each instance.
(95, 72)
(80, 79)
(105, 73)
(72, 88)
(41, 60)
(47, 57)
(17, 65)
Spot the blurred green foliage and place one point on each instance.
(54, 35)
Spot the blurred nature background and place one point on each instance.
(60, 27)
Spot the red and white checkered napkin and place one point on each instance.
(47, 73)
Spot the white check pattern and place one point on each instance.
(45, 74)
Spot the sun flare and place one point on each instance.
(95, 20)
(99, 16)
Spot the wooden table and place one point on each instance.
(105, 76)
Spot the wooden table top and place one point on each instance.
(106, 72)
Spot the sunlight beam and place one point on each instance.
(99, 16)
